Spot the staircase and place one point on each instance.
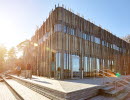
(117, 89)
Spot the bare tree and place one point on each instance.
(2, 57)
(127, 38)
(11, 58)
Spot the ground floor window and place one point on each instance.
(74, 66)
(58, 65)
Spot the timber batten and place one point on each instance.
(71, 47)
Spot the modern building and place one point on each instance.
(71, 47)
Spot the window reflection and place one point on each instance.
(67, 70)
(98, 64)
(97, 40)
(75, 65)
(58, 65)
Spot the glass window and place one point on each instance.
(65, 61)
(57, 28)
(98, 64)
(111, 46)
(97, 40)
(86, 69)
(80, 34)
(103, 43)
(68, 30)
(58, 61)
(92, 38)
(107, 44)
(75, 63)
(67, 70)
(65, 29)
(72, 31)
(88, 37)
(84, 36)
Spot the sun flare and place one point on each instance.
(7, 32)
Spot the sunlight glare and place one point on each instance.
(7, 32)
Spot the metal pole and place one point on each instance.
(37, 61)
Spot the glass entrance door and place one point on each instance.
(75, 66)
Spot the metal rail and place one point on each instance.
(116, 80)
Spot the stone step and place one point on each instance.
(24, 92)
(122, 82)
(128, 79)
(108, 88)
(100, 97)
(115, 91)
(55, 94)
(121, 96)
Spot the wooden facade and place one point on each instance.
(71, 47)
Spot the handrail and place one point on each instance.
(103, 71)
(111, 79)
(112, 74)
(115, 85)
(107, 77)
(117, 81)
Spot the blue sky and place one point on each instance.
(19, 18)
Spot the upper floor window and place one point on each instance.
(84, 36)
(97, 40)
(57, 28)
(80, 34)
(103, 43)
(65, 29)
(92, 38)
(88, 37)
(72, 31)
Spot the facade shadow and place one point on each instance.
(42, 82)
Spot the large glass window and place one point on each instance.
(58, 60)
(66, 61)
(58, 65)
(75, 65)
(67, 70)
(86, 68)
(98, 64)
